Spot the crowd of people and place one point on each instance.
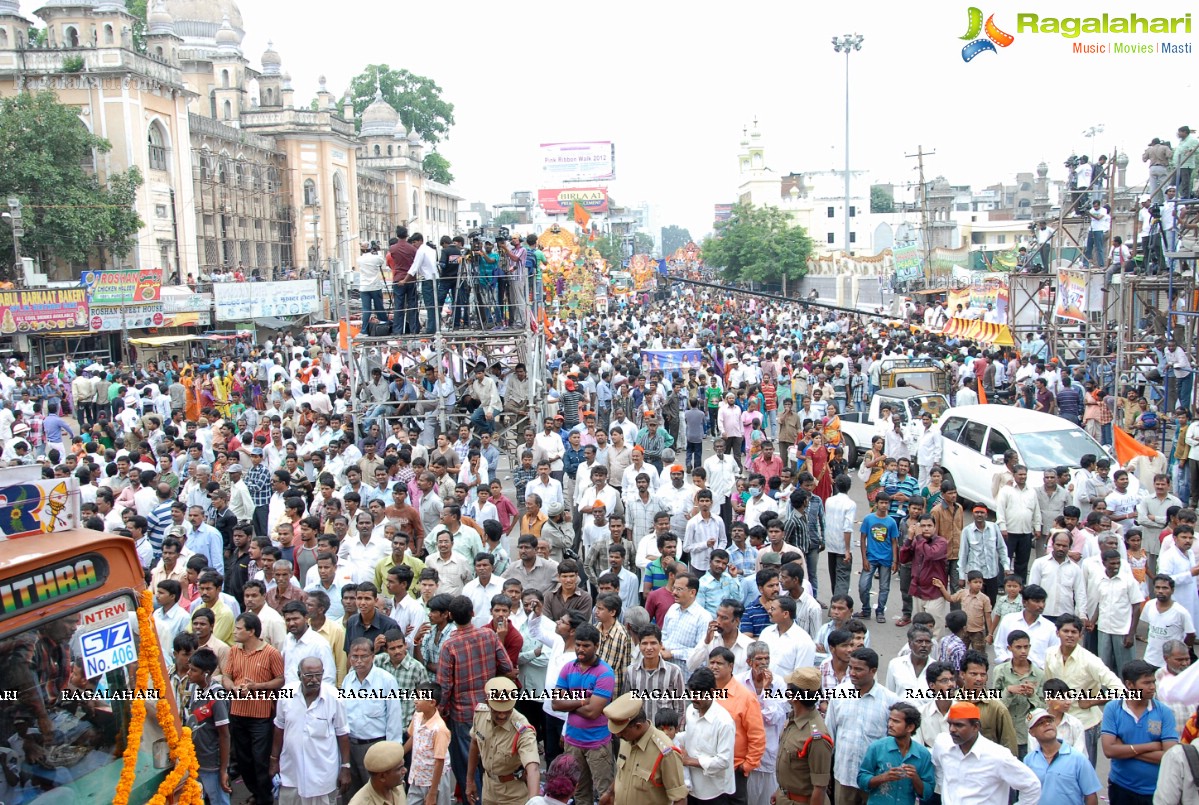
(629, 604)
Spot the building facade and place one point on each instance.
(235, 173)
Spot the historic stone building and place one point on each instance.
(234, 172)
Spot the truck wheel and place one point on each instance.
(851, 451)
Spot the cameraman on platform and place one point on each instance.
(487, 263)
(370, 285)
(447, 287)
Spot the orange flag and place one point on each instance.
(1128, 448)
(982, 395)
(345, 331)
(582, 217)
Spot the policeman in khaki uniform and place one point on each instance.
(805, 755)
(385, 762)
(506, 745)
(649, 770)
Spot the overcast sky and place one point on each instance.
(672, 83)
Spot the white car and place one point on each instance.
(975, 437)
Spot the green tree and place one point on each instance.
(68, 212)
(417, 99)
(642, 243)
(507, 218)
(881, 199)
(437, 168)
(674, 238)
(610, 247)
(138, 8)
(758, 244)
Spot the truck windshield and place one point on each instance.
(56, 749)
(1046, 450)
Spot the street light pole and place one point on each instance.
(846, 44)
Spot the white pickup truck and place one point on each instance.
(858, 428)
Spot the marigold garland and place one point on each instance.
(181, 749)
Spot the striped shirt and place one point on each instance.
(263, 664)
(159, 521)
(667, 679)
(683, 630)
(595, 680)
(616, 649)
(854, 724)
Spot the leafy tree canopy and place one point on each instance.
(417, 99)
(674, 238)
(437, 168)
(759, 244)
(67, 210)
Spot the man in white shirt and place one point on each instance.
(303, 643)
(1018, 515)
(906, 674)
(722, 473)
(840, 516)
(1166, 620)
(545, 487)
(548, 446)
(991, 770)
(1042, 633)
(481, 589)
(707, 744)
(1063, 580)
(790, 646)
(1114, 612)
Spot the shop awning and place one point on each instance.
(162, 340)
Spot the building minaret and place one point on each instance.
(270, 83)
(757, 153)
(743, 154)
(14, 29)
(229, 74)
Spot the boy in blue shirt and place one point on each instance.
(880, 555)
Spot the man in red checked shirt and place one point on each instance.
(767, 463)
(468, 658)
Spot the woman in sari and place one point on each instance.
(192, 405)
(932, 492)
(817, 463)
(875, 460)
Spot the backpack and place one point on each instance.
(1192, 756)
(531, 261)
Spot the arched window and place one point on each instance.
(3, 37)
(88, 161)
(158, 52)
(389, 150)
(224, 78)
(205, 168)
(310, 198)
(108, 35)
(228, 110)
(376, 150)
(415, 203)
(71, 36)
(157, 147)
(221, 167)
(269, 97)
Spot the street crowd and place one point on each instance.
(623, 601)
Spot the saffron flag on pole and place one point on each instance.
(982, 395)
(1128, 448)
(581, 216)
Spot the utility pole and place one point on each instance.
(847, 44)
(924, 227)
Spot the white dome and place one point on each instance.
(227, 38)
(197, 22)
(270, 60)
(379, 119)
(413, 138)
(159, 20)
(400, 131)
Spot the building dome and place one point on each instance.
(197, 22)
(159, 20)
(227, 39)
(11, 7)
(110, 5)
(400, 132)
(379, 119)
(413, 138)
(1122, 160)
(66, 4)
(1042, 170)
(271, 63)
